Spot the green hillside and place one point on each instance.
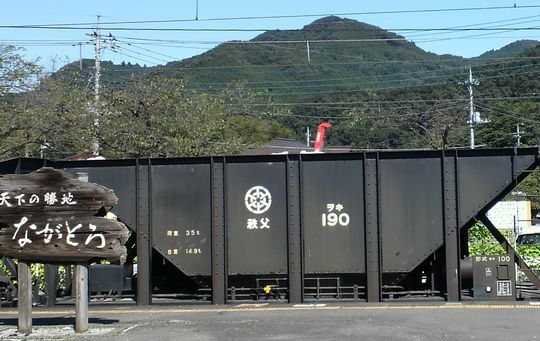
(378, 89)
(338, 48)
(342, 52)
(510, 50)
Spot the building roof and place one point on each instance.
(289, 146)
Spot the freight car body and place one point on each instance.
(371, 226)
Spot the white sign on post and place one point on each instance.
(511, 215)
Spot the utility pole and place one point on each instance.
(108, 42)
(80, 56)
(97, 104)
(518, 134)
(472, 115)
(308, 53)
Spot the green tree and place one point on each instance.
(503, 120)
(159, 117)
(17, 75)
(61, 115)
(482, 242)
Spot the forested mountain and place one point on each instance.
(338, 48)
(378, 89)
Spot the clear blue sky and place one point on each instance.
(48, 44)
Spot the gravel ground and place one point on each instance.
(286, 322)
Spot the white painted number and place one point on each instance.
(504, 258)
(334, 216)
(332, 219)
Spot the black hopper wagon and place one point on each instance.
(371, 226)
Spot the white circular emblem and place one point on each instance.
(258, 199)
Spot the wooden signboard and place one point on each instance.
(49, 216)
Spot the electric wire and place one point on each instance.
(379, 80)
(133, 57)
(410, 11)
(382, 88)
(500, 111)
(514, 20)
(442, 100)
(176, 29)
(318, 65)
(147, 50)
(143, 54)
(443, 71)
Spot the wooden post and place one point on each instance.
(24, 278)
(70, 285)
(51, 283)
(81, 299)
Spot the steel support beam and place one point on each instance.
(504, 243)
(451, 228)
(372, 223)
(144, 238)
(219, 248)
(294, 233)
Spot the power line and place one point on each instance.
(519, 21)
(144, 54)
(498, 110)
(264, 84)
(380, 89)
(133, 57)
(442, 100)
(179, 43)
(156, 29)
(426, 31)
(317, 80)
(374, 106)
(394, 87)
(148, 50)
(315, 65)
(377, 80)
(411, 11)
(463, 37)
(372, 82)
